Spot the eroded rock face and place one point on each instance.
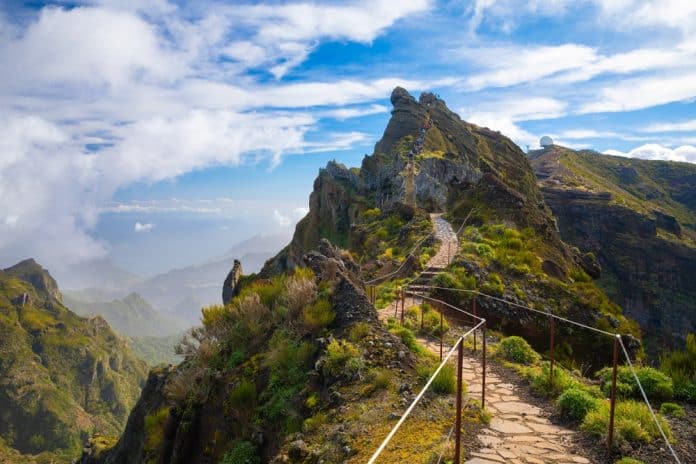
(459, 165)
(230, 286)
(349, 299)
(648, 275)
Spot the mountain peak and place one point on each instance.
(31, 271)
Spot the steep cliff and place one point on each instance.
(63, 377)
(460, 166)
(639, 218)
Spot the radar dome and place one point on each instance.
(546, 141)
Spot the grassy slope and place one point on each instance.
(63, 376)
(651, 185)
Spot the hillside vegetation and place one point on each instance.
(638, 217)
(62, 376)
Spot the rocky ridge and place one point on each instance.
(638, 217)
(63, 376)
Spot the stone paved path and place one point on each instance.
(519, 432)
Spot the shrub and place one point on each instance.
(574, 404)
(672, 409)
(300, 291)
(681, 366)
(516, 349)
(315, 422)
(154, 429)
(318, 315)
(628, 461)
(312, 400)
(543, 384)
(407, 337)
(633, 422)
(379, 379)
(243, 396)
(359, 331)
(343, 359)
(242, 452)
(494, 285)
(446, 381)
(656, 384)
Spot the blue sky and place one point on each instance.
(160, 135)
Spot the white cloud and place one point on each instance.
(685, 153)
(147, 81)
(353, 112)
(95, 46)
(638, 93)
(290, 218)
(679, 15)
(503, 114)
(284, 35)
(505, 66)
(143, 227)
(684, 126)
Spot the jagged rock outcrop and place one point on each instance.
(230, 287)
(63, 376)
(461, 166)
(624, 211)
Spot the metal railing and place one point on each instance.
(618, 341)
(459, 348)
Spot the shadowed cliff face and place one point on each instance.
(461, 166)
(625, 212)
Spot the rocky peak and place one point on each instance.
(229, 287)
(32, 272)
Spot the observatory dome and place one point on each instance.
(546, 141)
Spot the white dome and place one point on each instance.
(546, 141)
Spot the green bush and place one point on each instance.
(407, 337)
(633, 422)
(516, 349)
(243, 395)
(672, 409)
(242, 452)
(343, 359)
(379, 379)
(494, 286)
(359, 331)
(628, 461)
(681, 367)
(656, 384)
(318, 315)
(574, 404)
(543, 384)
(446, 380)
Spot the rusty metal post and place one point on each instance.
(483, 372)
(422, 317)
(552, 327)
(403, 303)
(473, 306)
(612, 400)
(458, 420)
(441, 334)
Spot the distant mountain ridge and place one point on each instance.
(62, 376)
(132, 316)
(639, 218)
(180, 291)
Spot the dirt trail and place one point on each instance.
(519, 432)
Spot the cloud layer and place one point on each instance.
(108, 94)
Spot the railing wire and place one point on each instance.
(418, 397)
